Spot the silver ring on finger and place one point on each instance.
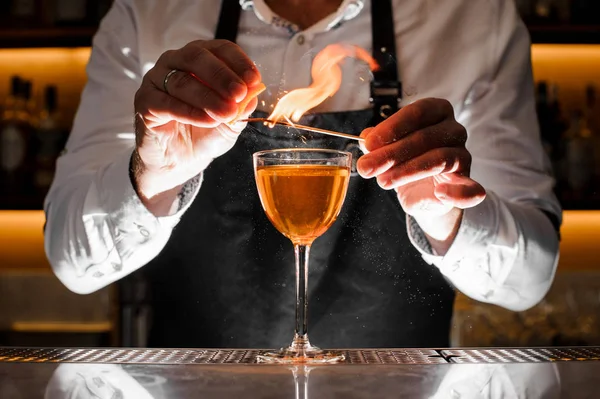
(166, 80)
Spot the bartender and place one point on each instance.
(454, 191)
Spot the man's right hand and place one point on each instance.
(182, 127)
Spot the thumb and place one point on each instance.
(361, 143)
(462, 192)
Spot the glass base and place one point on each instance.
(301, 352)
(289, 356)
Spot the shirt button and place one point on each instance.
(144, 232)
(300, 39)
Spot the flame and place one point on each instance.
(327, 78)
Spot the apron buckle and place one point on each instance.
(385, 97)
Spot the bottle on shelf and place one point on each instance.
(550, 118)
(543, 113)
(552, 127)
(8, 107)
(50, 141)
(30, 106)
(592, 117)
(16, 132)
(557, 125)
(579, 161)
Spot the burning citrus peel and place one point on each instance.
(253, 92)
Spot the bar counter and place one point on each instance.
(72, 373)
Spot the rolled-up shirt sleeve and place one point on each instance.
(506, 249)
(97, 229)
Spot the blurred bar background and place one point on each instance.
(44, 47)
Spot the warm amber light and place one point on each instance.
(63, 67)
(580, 240)
(44, 56)
(22, 240)
(571, 66)
(575, 63)
(61, 327)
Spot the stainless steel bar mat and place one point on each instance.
(241, 356)
(201, 356)
(394, 356)
(133, 356)
(521, 355)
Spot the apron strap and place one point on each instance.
(386, 88)
(229, 19)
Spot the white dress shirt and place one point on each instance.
(473, 53)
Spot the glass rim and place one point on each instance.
(265, 153)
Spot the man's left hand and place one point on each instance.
(420, 152)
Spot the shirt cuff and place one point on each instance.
(478, 230)
(128, 215)
(186, 195)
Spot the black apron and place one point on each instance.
(226, 278)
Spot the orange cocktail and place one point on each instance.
(302, 192)
(302, 201)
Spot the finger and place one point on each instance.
(185, 87)
(197, 59)
(435, 162)
(448, 133)
(214, 141)
(222, 65)
(415, 116)
(236, 59)
(462, 193)
(417, 198)
(158, 108)
(364, 135)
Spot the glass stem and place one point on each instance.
(301, 334)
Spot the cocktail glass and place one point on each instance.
(302, 192)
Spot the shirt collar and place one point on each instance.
(348, 10)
